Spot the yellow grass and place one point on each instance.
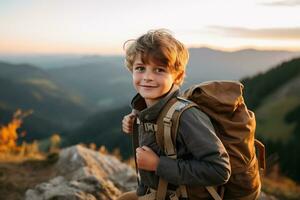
(281, 187)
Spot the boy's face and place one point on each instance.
(151, 81)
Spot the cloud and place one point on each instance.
(282, 3)
(265, 33)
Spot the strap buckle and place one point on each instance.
(173, 156)
(168, 121)
(173, 196)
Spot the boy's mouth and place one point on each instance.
(148, 86)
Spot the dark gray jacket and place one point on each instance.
(201, 157)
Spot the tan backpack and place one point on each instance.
(234, 124)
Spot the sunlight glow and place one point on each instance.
(101, 26)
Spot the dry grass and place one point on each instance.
(19, 174)
(280, 186)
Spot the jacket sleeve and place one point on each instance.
(209, 163)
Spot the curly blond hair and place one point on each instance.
(159, 47)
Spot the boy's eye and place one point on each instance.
(139, 68)
(160, 70)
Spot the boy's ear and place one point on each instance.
(178, 78)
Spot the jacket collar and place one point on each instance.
(138, 105)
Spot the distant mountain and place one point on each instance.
(51, 61)
(208, 64)
(212, 62)
(101, 84)
(103, 80)
(30, 88)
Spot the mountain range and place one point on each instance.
(99, 80)
(73, 94)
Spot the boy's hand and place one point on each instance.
(146, 159)
(127, 123)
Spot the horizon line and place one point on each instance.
(223, 49)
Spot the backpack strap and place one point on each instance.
(213, 192)
(167, 127)
(135, 144)
(260, 147)
(167, 124)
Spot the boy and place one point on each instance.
(157, 62)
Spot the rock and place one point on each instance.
(264, 196)
(84, 174)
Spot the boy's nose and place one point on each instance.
(148, 76)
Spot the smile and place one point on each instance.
(148, 86)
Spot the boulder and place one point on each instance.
(84, 174)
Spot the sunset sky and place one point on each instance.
(102, 26)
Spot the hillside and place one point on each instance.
(29, 88)
(103, 128)
(275, 97)
(274, 93)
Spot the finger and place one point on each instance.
(139, 150)
(126, 129)
(126, 123)
(145, 148)
(129, 121)
(125, 120)
(128, 132)
(127, 126)
(138, 162)
(131, 115)
(127, 117)
(124, 126)
(139, 158)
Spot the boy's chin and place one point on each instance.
(150, 96)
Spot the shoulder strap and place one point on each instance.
(167, 127)
(135, 144)
(167, 124)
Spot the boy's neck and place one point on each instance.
(151, 102)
